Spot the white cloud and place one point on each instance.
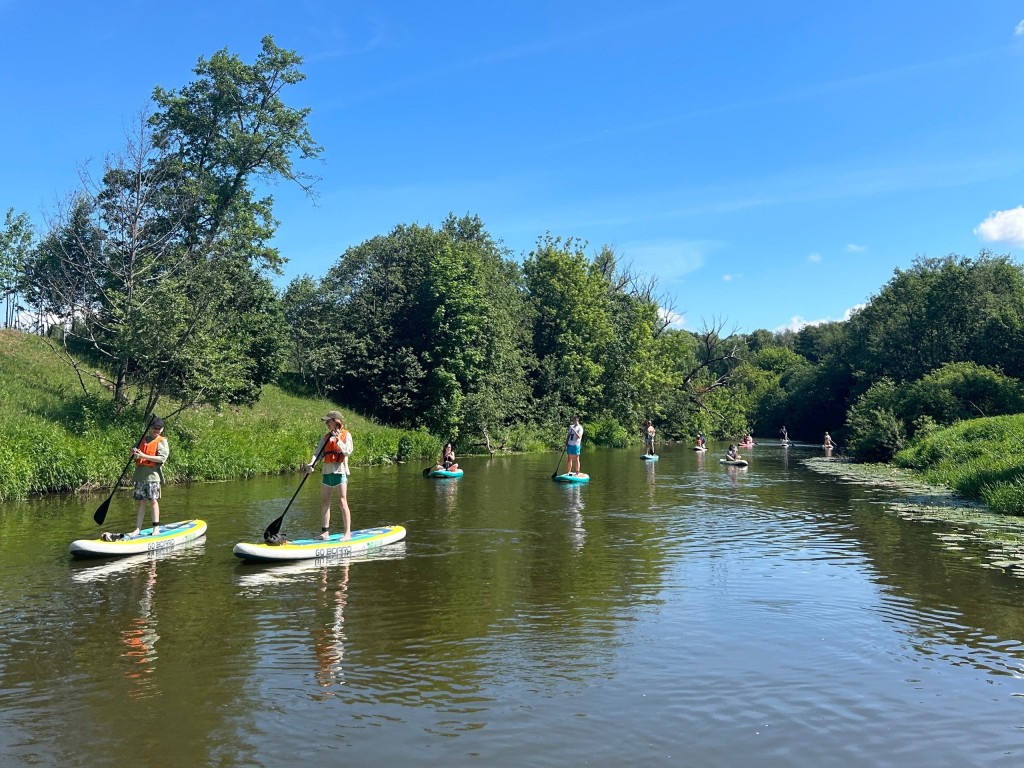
(797, 322)
(854, 248)
(727, 278)
(1003, 227)
(1018, 31)
(814, 258)
(674, 319)
(668, 259)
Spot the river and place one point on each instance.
(669, 613)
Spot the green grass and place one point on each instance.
(55, 438)
(980, 459)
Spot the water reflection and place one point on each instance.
(139, 638)
(446, 490)
(649, 471)
(329, 632)
(574, 505)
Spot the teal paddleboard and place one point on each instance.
(446, 473)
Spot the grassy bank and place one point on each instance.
(981, 459)
(55, 438)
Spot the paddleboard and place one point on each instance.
(580, 478)
(170, 536)
(446, 473)
(651, 457)
(698, 448)
(732, 463)
(326, 550)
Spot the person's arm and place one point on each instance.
(317, 453)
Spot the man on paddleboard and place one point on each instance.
(573, 441)
(649, 437)
(335, 446)
(150, 454)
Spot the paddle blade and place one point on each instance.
(427, 471)
(273, 529)
(101, 513)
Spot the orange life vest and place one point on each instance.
(332, 448)
(149, 448)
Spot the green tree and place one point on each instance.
(953, 309)
(875, 430)
(429, 324)
(572, 327)
(163, 264)
(15, 245)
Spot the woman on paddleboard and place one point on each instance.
(150, 454)
(573, 441)
(335, 446)
(649, 437)
(447, 462)
(827, 443)
(733, 453)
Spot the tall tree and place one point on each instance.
(163, 264)
(953, 309)
(572, 326)
(15, 245)
(427, 324)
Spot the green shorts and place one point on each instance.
(333, 480)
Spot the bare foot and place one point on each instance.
(324, 536)
(346, 537)
(132, 535)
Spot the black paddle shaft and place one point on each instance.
(555, 473)
(275, 527)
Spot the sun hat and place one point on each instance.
(334, 416)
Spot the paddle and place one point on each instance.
(275, 527)
(555, 473)
(101, 513)
(427, 470)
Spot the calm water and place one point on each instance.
(670, 613)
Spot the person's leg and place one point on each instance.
(343, 500)
(325, 511)
(140, 515)
(155, 516)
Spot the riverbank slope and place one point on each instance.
(980, 459)
(56, 438)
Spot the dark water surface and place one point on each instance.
(669, 613)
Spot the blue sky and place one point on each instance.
(770, 163)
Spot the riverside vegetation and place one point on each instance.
(53, 438)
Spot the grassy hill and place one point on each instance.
(56, 438)
(980, 459)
